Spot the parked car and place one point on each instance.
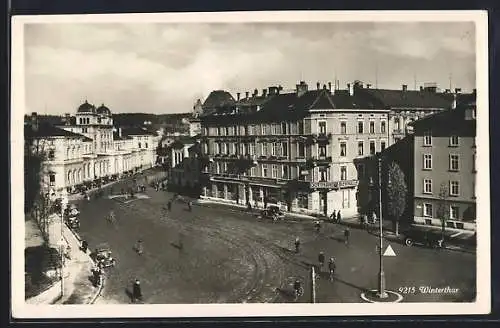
(422, 237)
(275, 210)
(102, 256)
(73, 222)
(272, 212)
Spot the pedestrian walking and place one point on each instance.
(136, 291)
(317, 225)
(333, 216)
(331, 268)
(85, 246)
(321, 261)
(297, 245)
(347, 233)
(190, 206)
(138, 247)
(169, 205)
(339, 218)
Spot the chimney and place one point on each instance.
(405, 87)
(34, 121)
(458, 90)
(317, 85)
(324, 86)
(120, 132)
(454, 102)
(264, 92)
(246, 94)
(350, 87)
(67, 119)
(255, 92)
(301, 88)
(238, 96)
(330, 86)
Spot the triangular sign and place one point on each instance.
(389, 251)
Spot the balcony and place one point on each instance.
(323, 138)
(322, 160)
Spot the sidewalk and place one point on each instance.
(78, 288)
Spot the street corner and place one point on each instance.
(373, 296)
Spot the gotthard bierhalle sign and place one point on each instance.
(334, 184)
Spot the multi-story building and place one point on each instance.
(294, 149)
(406, 105)
(88, 149)
(438, 162)
(444, 167)
(185, 167)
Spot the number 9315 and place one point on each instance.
(407, 290)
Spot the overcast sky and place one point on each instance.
(164, 68)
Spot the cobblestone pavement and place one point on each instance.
(233, 257)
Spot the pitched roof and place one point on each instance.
(404, 99)
(48, 130)
(449, 119)
(116, 136)
(218, 98)
(461, 97)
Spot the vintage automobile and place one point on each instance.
(422, 237)
(275, 210)
(103, 256)
(73, 222)
(272, 212)
(71, 210)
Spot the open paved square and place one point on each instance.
(229, 256)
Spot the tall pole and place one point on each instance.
(313, 285)
(381, 288)
(63, 205)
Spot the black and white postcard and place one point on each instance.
(250, 164)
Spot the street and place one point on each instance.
(216, 255)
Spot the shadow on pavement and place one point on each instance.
(286, 293)
(337, 279)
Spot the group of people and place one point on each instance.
(366, 220)
(336, 216)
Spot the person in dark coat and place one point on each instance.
(85, 246)
(338, 216)
(136, 291)
(333, 217)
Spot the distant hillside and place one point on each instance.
(139, 118)
(50, 119)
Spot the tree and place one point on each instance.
(36, 195)
(397, 191)
(443, 208)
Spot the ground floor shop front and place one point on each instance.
(260, 195)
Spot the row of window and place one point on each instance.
(453, 211)
(281, 149)
(453, 190)
(453, 140)
(283, 128)
(453, 162)
(282, 171)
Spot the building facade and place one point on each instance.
(295, 150)
(89, 150)
(445, 168)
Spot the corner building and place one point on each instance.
(293, 149)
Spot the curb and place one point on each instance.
(101, 286)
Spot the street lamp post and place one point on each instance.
(64, 203)
(381, 288)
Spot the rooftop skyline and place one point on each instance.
(163, 68)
